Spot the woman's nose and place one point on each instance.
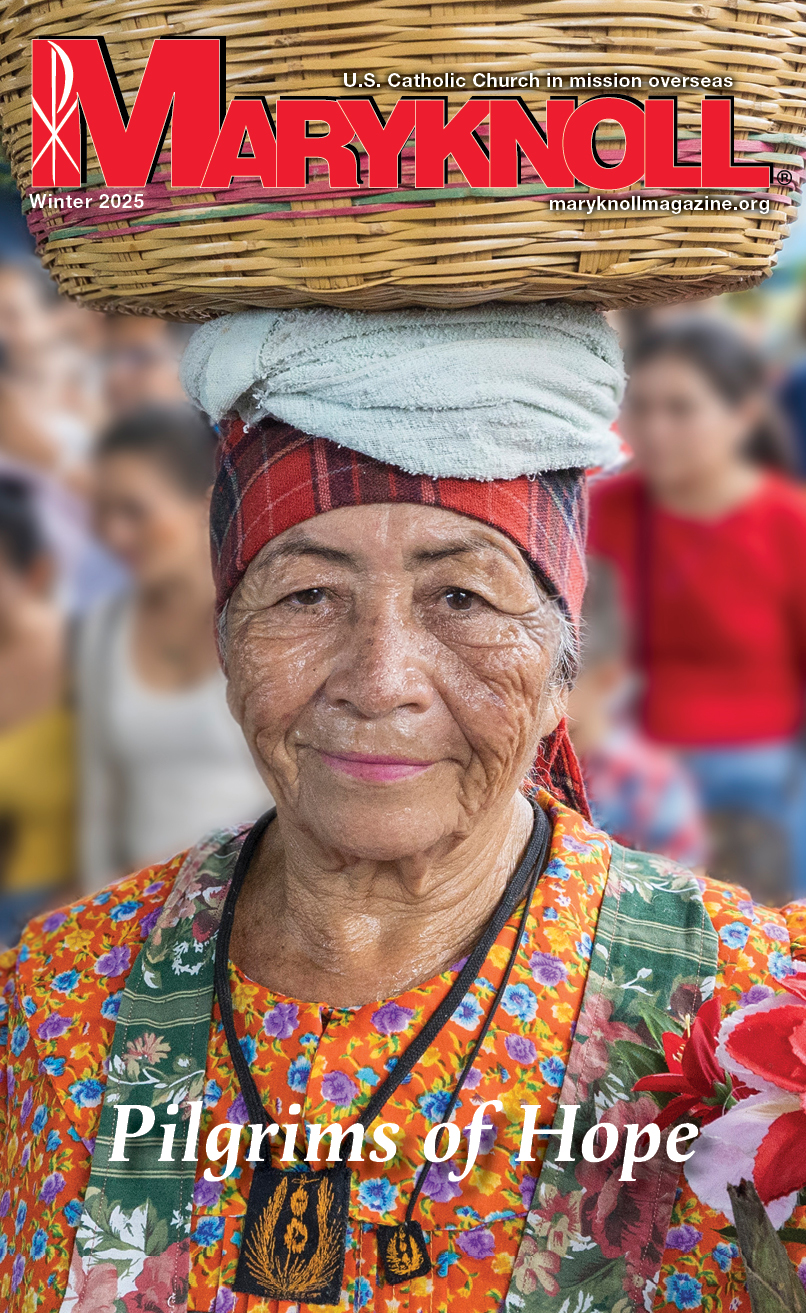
(384, 668)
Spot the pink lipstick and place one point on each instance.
(379, 770)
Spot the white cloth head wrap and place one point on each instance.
(489, 392)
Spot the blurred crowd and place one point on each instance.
(117, 748)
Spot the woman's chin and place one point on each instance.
(379, 823)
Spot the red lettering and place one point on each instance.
(295, 147)
(718, 168)
(181, 82)
(580, 150)
(437, 140)
(75, 91)
(662, 169)
(383, 142)
(248, 119)
(513, 130)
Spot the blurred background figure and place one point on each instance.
(638, 792)
(104, 567)
(26, 326)
(162, 759)
(37, 751)
(708, 535)
(141, 362)
(51, 407)
(792, 398)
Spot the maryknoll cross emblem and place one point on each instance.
(56, 128)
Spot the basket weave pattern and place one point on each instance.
(191, 254)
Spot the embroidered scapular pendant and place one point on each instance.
(294, 1235)
(403, 1252)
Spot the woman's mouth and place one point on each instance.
(377, 769)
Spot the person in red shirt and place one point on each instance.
(708, 535)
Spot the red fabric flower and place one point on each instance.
(693, 1072)
(773, 1046)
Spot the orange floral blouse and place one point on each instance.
(61, 989)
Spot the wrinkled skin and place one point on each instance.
(411, 634)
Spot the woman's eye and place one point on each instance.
(459, 599)
(307, 597)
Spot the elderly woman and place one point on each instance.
(427, 932)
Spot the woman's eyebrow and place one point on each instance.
(295, 550)
(472, 543)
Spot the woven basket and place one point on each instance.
(191, 256)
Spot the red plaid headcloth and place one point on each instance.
(271, 476)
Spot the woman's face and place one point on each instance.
(391, 669)
(679, 426)
(145, 519)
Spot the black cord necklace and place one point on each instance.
(293, 1239)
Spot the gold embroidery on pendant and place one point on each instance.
(284, 1275)
(403, 1255)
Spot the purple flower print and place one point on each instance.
(520, 1049)
(391, 1017)
(238, 1113)
(5, 1203)
(224, 1301)
(528, 1184)
(54, 1026)
(573, 845)
(773, 931)
(547, 969)
(16, 1271)
(282, 1020)
(27, 1106)
(473, 1078)
(478, 1243)
(755, 994)
(115, 962)
(53, 922)
(685, 1238)
(206, 1193)
(339, 1088)
(148, 922)
(437, 1186)
(51, 1186)
(486, 1139)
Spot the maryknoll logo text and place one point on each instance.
(75, 91)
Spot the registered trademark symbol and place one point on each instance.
(784, 178)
